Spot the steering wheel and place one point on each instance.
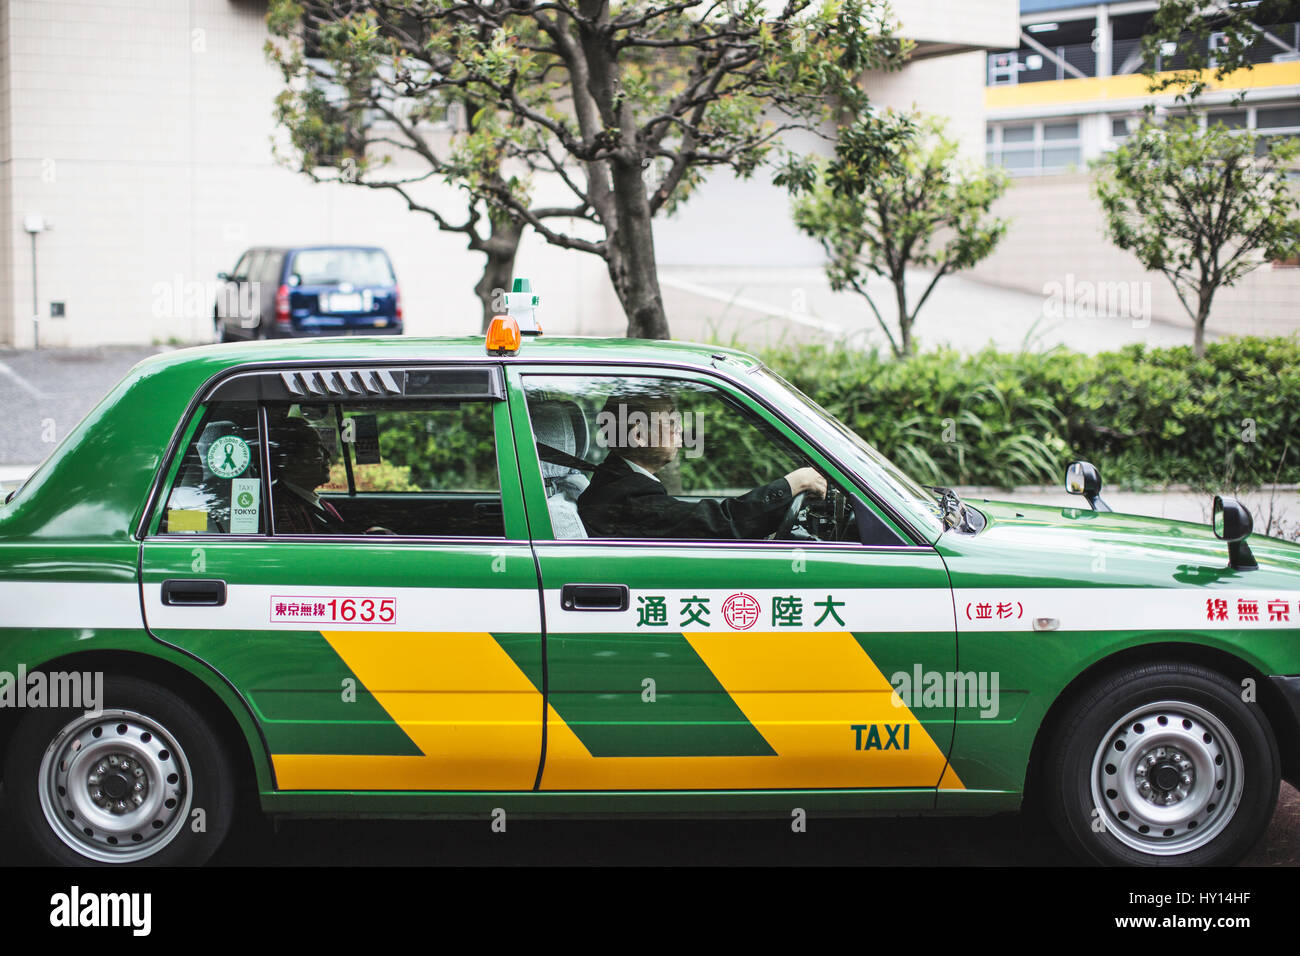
(791, 514)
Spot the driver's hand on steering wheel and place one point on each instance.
(809, 480)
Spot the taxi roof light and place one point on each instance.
(503, 336)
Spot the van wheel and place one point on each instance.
(1163, 764)
(142, 781)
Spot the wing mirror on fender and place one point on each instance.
(1083, 478)
(1233, 523)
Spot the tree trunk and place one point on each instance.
(498, 271)
(1202, 315)
(631, 258)
(904, 319)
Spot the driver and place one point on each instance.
(300, 463)
(625, 499)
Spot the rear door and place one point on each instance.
(699, 662)
(250, 298)
(227, 306)
(347, 546)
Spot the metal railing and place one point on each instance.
(1027, 65)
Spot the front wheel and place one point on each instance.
(1163, 764)
(143, 780)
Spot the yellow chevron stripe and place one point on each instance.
(802, 692)
(475, 720)
(476, 717)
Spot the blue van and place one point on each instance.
(308, 290)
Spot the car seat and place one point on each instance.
(560, 425)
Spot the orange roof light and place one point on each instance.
(503, 336)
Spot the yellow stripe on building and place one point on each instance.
(1128, 86)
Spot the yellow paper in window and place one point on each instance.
(178, 520)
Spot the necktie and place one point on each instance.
(331, 511)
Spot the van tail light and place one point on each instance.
(282, 305)
(397, 303)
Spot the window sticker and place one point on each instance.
(244, 511)
(179, 519)
(366, 438)
(228, 456)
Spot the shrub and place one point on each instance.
(1143, 416)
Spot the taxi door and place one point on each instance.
(347, 547)
(742, 664)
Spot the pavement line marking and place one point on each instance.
(752, 304)
(22, 382)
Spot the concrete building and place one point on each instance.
(136, 141)
(1068, 91)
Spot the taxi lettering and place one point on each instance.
(869, 736)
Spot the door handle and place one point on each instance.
(594, 597)
(190, 593)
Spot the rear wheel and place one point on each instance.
(1163, 764)
(144, 780)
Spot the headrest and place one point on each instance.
(559, 423)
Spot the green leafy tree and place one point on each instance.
(367, 96)
(896, 197)
(1202, 206)
(626, 104)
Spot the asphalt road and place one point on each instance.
(43, 395)
(1006, 840)
(1003, 840)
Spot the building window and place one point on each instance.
(1267, 121)
(1029, 149)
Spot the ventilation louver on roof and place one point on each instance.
(360, 383)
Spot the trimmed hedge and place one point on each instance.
(1143, 416)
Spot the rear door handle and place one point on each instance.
(594, 597)
(179, 592)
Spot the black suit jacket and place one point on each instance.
(294, 514)
(622, 503)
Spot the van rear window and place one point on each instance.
(332, 267)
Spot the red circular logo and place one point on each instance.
(740, 611)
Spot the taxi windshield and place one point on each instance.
(874, 468)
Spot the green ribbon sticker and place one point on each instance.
(228, 456)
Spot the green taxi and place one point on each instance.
(453, 578)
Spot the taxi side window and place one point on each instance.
(400, 468)
(218, 486)
(634, 457)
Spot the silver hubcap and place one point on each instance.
(115, 786)
(1167, 778)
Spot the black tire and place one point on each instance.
(1166, 746)
(183, 768)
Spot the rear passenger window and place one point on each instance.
(400, 468)
(218, 487)
(269, 273)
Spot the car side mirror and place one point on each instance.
(1233, 524)
(1083, 478)
(223, 276)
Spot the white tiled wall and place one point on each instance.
(1057, 230)
(141, 130)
